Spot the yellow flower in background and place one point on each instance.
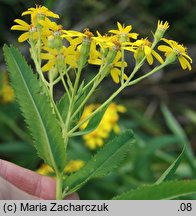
(179, 50)
(144, 49)
(124, 33)
(6, 91)
(72, 166)
(108, 123)
(45, 170)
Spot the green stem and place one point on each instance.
(95, 84)
(56, 109)
(146, 75)
(48, 85)
(123, 67)
(85, 100)
(39, 47)
(59, 187)
(68, 79)
(96, 111)
(127, 83)
(68, 119)
(93, 79)
(64, 84)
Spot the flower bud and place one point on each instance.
(161, 29)
(139, 55)
(55, 42)
(84, 52)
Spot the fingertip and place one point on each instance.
(73, 196)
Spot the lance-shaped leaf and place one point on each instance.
(37, 111)
(163, 191)
(168, 174)
(108, 158)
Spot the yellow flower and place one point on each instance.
(116, 65)
(124, 33)
(144, 49)
(76, 38)
(104, 41)
(30, 30)
(116, 68)
(45, 170)
(73, 166)
(39, 12)
(178, 50)
(108, 123)
(6, 91)
(67, 55)
(50, 28)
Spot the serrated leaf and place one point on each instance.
(36, 109)
(167, 175)
(103, 162)
(93, 122)
(164, 191)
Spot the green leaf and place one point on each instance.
(172, 123)
(7, 120)
(108, 158)
(179, 132)
(168, 174)
(163, 191)
(93, 122)
(16, 147)
(147, 155)
(36, 109)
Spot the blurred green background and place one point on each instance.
(161, 109)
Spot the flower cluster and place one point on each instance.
(108, 123)
(60, 55)
(6, 91)
(48, 39)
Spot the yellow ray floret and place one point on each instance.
(124, 31)
(30, 30)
